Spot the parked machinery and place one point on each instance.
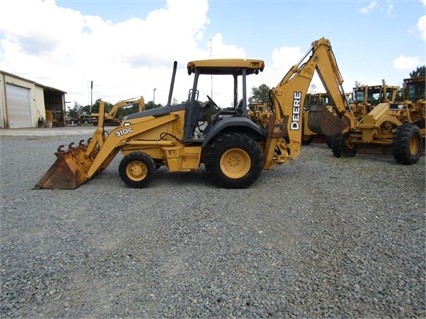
(399, 125)
(111, 118)
(366, 97)
(233, 148)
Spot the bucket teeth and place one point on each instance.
(69, 170)
(59, 149)
(70, 146)
(81, 143)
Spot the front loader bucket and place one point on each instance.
(322, 121)
(68, 171)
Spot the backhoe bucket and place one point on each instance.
(68, 171)
(322, 121)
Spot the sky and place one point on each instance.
(127, 47)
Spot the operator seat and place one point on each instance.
(193, 113)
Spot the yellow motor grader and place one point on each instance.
(366, 97)
(233, 147)
(398, 125)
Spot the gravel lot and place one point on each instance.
(320, 238)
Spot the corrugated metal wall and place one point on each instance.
(18, 103)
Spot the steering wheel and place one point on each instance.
(212, 102)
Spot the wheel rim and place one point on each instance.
(414, 145)
(235, 163)
(136, 171)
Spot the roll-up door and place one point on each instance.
(18, 106)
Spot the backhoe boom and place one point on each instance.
(288, 99)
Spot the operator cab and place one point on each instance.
(415, 88)
(200, 118)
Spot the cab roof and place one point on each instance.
(226, 66)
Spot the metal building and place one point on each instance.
(25, 103)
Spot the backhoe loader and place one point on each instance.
(110, 118)
(398, 125)
(233, 148)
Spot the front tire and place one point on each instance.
(407, 144)
(328, 141)
(234, 160)
(137, 169)
(341, 146)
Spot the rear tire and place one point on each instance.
(234, 160)
(307, 139)
(137, 169)
(407, 144)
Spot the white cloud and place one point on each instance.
(406, 63)
(368, 9)
(285, 57)
(389, 6)
(376, 4)
(221, 50)
(64, 49)
(421, 27)
(282, 60)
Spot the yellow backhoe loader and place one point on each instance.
(233, 148)
(110, 118)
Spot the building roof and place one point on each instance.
(31, 81)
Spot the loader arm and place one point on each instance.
(118, 138)
(77, 165)
(285, 127)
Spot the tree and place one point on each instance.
(95, 107)
(312, 88)
(420, 71)
(358, 84)
(73, 112)
(260, 94)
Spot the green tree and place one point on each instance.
(420, 71)
(260, 94)
(73, 112)
(150, 105)
(358, 84)
(95, 106)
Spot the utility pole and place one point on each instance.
(211, 76)
(91, 97)
(153, 96)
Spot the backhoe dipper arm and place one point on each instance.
(285, 130)
(140, 102)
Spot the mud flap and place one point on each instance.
(322, 121)
(68, 171)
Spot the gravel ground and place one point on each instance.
(320, 238)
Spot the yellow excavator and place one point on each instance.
(233, 148)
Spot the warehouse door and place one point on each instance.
(18, 105)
